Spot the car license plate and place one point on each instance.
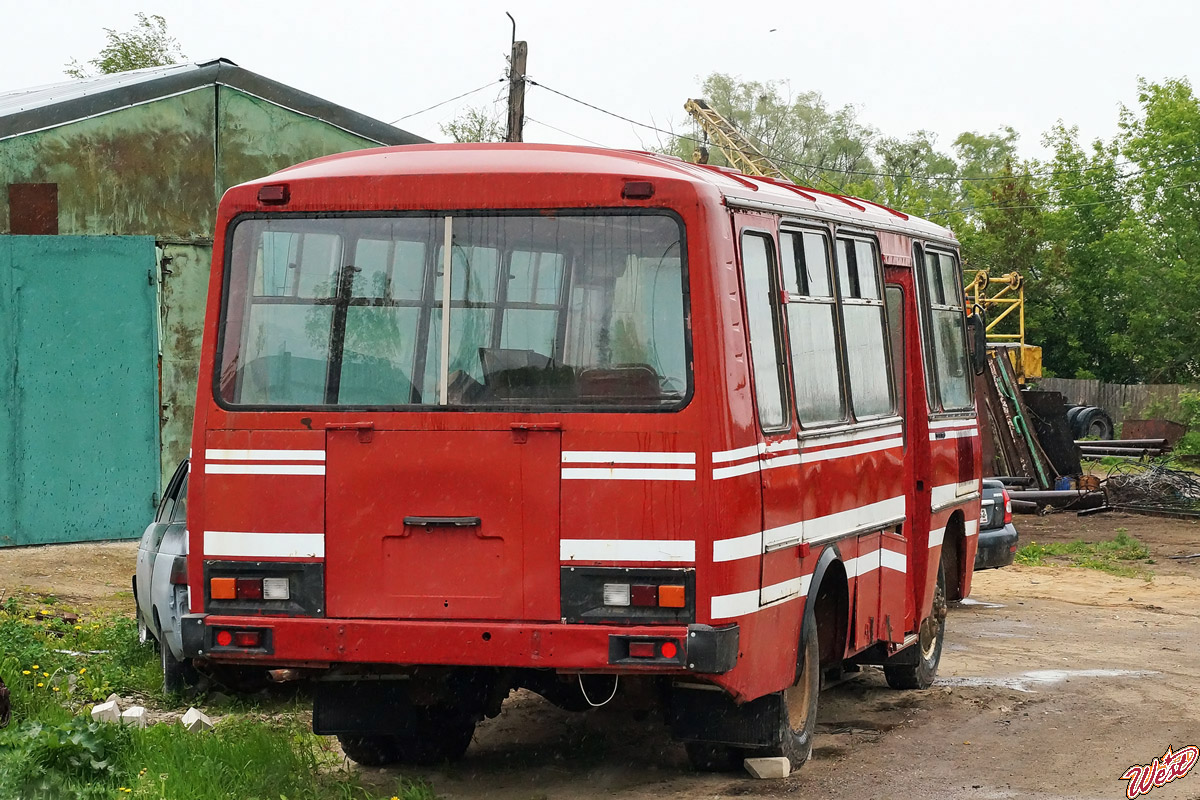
(983, 516)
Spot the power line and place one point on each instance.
(671, 133)
(451, 100)
(863, 173)
(560, 130)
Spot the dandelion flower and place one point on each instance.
(45, 674)
(40, 684)
(35, 666)
(82, 670)
(56, 688)
(25, 672)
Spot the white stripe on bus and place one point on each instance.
(945, 436)
(211, 468)
(264, 545)
(810, 456)
(626, 474)
(265, 455)
(953, 423)
(627, 550)
(742, 603)
(817, 529)
(625, 457)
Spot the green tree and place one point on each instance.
(1162, 145)
(475, 125)
(145, 45)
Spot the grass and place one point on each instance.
(1115, 556)
(53, 750)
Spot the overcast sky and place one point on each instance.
(943, 66)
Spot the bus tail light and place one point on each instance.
(276, 589)
(249, 589)
(672, 596)
(222, 589)
(624, 595)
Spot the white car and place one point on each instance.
(160, 581)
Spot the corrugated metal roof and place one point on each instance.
(41, 107)
(17, 100)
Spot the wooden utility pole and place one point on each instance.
(516, 91)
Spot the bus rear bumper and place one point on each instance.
(297, 641)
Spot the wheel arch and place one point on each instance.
(954, 555)
(827, 607)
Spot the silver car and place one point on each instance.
(160, 581)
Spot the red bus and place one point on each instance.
(474, 418)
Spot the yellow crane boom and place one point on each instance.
(739, 151)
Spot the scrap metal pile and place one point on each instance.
(1153, 489)
(1029, 441)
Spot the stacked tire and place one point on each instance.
(1090, 422)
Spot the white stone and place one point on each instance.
(107, 711)
(135, 716)
(113, 698)
(769, 768)
(195, 721)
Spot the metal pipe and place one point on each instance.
(1120, 451)
(1159, 443)
(1014, 480)
(1059, 498)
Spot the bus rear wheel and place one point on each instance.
(436, 734)
(918, 668)
(798, 709)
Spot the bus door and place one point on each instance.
(777, 444)
(897, 601)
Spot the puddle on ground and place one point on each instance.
(1042, 677)
(971, 601)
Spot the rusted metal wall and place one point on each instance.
(159, 169)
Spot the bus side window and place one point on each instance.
(812, 328)
(766, 353)
(867, 358)
(946, 348)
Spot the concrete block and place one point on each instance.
(107, 711)
(769, 768)
(135, 716)
(113, 698)
(196, 720)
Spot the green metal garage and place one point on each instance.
(108, 194)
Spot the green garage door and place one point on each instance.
(78, 388)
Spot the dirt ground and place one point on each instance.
(1053, 681)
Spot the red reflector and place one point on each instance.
(247, 638)
(249, 588)
(669, 650)
(641, 595)
(224, 638)
(638, 190)
(277, 194)
(641, 650)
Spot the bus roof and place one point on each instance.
(738, 190)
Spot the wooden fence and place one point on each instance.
(1120, 400)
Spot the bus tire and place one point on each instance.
(436, 734)
(371, 751)
(798, 708)
(709, 757)
(918, 668)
